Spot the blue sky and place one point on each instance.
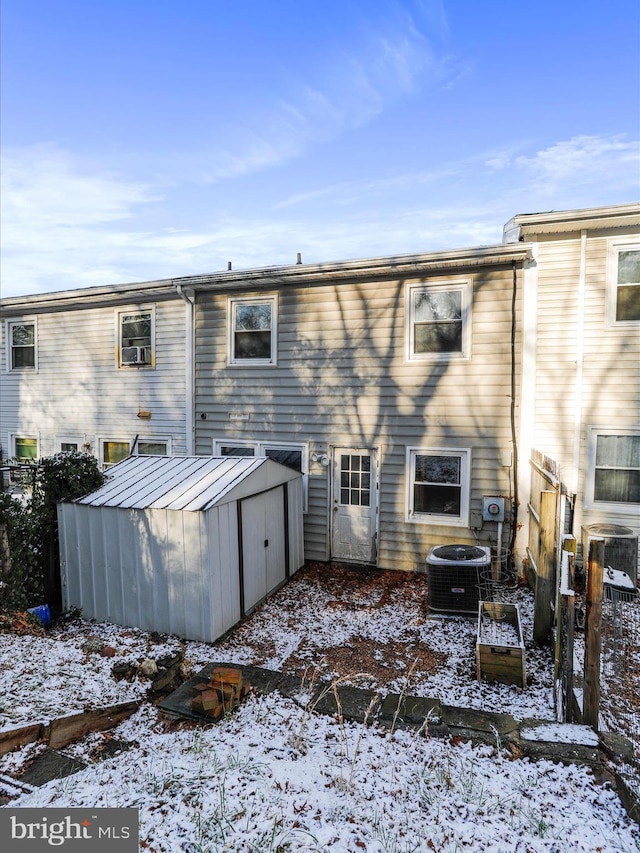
(147, 139)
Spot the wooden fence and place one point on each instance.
(545, 511)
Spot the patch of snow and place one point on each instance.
(561, 733)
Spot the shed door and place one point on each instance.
(263, 556)
(354, 515)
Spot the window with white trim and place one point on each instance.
(234, 448)
(24, 447)
(439, 320)
(614, 469)
(623, 283)
(136, 337)
(253, 330)
(294, 456)
(438, 485)
(22, 337)
(113, 451)
(152, 447)
(68, 443)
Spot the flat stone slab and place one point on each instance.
(50, 765)
(263, 680)
(353, 703)
(480, 726)
(412, 712)
(564, 742)
(296, 688)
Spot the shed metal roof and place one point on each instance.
(188, 483)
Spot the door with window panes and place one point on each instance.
(354, 509)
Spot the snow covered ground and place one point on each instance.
(277, 777)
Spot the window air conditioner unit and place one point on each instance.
(136, 355)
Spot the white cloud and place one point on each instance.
(576, 162)
(351, 88)
(43, 189)
(65, 226)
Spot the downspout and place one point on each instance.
(514, 430)
(577, 424)
(528, 381)
(189, 385)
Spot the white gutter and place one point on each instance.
(189, 384)
(577, 424)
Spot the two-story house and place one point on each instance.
(393, 384)
(408, 390)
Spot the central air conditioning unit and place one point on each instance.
(620, 547)
(453, 576)
(136, 355)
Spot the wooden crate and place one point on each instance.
(499, 645)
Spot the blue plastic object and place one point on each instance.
(43, 613)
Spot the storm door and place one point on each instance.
(354, 505)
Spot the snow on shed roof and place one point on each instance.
(189, 483)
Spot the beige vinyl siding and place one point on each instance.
(555, 392)
(342, 379)
(79, 391)
(611, 386)
(609, 392)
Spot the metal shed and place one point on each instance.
(184, 545)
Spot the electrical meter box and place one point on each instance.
(492, 508)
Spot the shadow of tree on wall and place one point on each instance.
(343, 379)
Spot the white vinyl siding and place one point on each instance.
(587, 366)
(78, 391)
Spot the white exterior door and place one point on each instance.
(354, 510)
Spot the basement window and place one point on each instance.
(152, 447)
(24, 448)
(294, 456)
(112, 452)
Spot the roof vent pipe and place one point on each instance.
(228, 265)
(299, 258)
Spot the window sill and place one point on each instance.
(436, 520)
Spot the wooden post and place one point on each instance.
(545, 568)
(592, 634)
(568, 545)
